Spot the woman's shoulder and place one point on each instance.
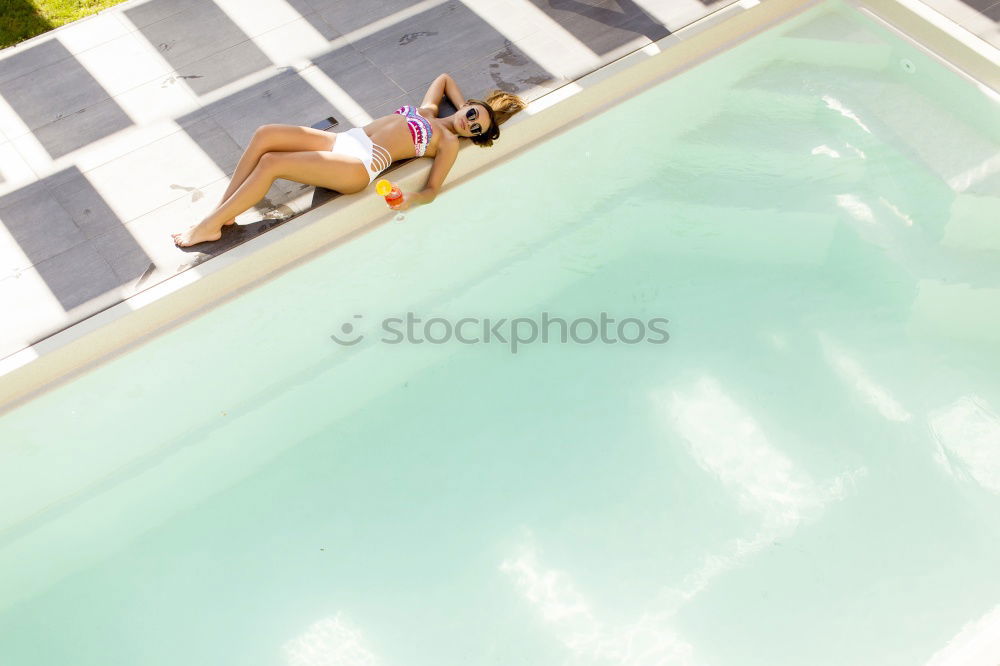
(443, 140)
(448, 142)
(448, 137)
(428, 110)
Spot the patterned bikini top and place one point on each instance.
(420, 128)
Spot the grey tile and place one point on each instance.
(287, 99)
(418, 49)
(347, 15)
(248, 94)
(308, 12)
(78, 275)
(53, 92)
(214, 141)
(89, 212)
(604, 25)
(202, 42)
(40, 226)
(993, 37)
(980, 5)
(29, 59)
(64, 91)
(71, 190)
(142, 15)
(387, 107)
(82, 128)
(70, 194)
(509, 70)
(223, 68)
(124, 255)
(992, 12)
(643, 25)
(358, 77)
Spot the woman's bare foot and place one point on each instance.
(196, 234)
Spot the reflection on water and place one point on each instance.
(968, 438)
(332, 641)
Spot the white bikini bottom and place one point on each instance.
(355, 143)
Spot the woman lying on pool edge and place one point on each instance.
(349, 161)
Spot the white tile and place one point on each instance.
(385, 22)
(11, 124)
(147, 178)
(571, 49)
(14, 170)
(514, 20)
(118, 13)
(549, 51)
(336, 95)
(163, 98)
(292, 43)
(12, 259)
(123, 143)
(91, 31)
(152, 230)
(123, 63)
(95, 154)
(255, 17)
(36, 157)
(36, 310)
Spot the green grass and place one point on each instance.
(23, 19)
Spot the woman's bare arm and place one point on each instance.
(443, 161)
(443, 85)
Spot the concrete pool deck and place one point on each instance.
(117, 130)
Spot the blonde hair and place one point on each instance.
(501, 106)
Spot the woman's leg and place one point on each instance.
(275, 138)
(322, 168)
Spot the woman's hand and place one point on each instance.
(414, 198)
(443, 86)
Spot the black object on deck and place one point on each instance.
(326, 124)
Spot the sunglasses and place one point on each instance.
(472, 114)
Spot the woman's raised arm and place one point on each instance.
(443, 161)
(443, 85)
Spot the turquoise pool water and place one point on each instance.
(806, 472)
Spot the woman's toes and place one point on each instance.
(195, 236)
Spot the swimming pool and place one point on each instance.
(806, 471)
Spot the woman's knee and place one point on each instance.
(269, 162)
(267, 132)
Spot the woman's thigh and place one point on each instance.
(318, 167)
(290, 138)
